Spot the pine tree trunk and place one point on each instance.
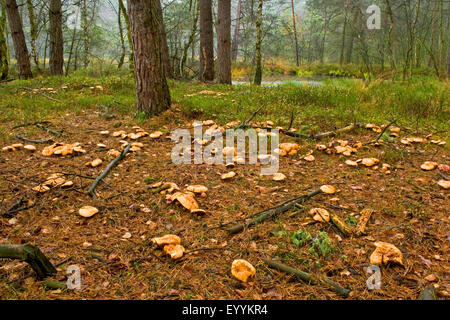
(224, 42)
(56, 38)
(122, 40)
(258, 57)
(152, 91)
(4, 61)
(33, 32)
(130, 41)
(191, 39)
(235, 47)
(206, 41)
(295, 33)
(165, 47)
(84, 14)
(20, 46)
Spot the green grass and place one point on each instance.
(418, 104)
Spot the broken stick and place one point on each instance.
(273, 212)
(363, 220)
(30, 254)
(308, 278)
(111, 165)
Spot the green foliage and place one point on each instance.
(321, 244)
(351, 220)
(300, 238)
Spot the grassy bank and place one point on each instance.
(418, 104)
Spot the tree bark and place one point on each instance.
(130, 41)
(56, 38)
(32, 255)
(295, 33)
(235, 47)
(191, 39)
(20, 46)
(206, 41)
(258, 56)
(224, 42)
(4, 61)
(152, 91)
(33, 32)
(165, 47)
(122, 40)
(84, 14)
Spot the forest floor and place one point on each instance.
(114, 249)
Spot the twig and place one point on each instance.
(42, 94)
(112, 164)
(18, 136)
(273, 212)
(17, 207)
(308, 278)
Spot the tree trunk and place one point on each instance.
(224, 42)
(448, 62)
(258, 57)
(235, 47)
(4, 61)
(165, 48)
(191, 39)
(206, 41)
(344, 30)
(130, 41)
(152, 91)
(20, 46)
(33, 32)
(122, 40)
(84, 14)
(295, 33)
(56, 38)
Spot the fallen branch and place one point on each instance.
(27, 124)
(17, 207)
(381, 134)
(273, 212)
(340, 225)
(30, 254)
(308, 278)
(111, 165)
(42, 94)
(18, 136)
(363, 220)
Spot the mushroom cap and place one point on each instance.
(369, 162)
(351, 163)
(29, 147)
(228, 175)
(385, 253)
(88, 211)
(167, 240)
(328, 189)
(309, 158)
(278, 177)
(429, 165)
(197, 188)
(444, 184)
(320, 214)
(186, 199)
(176, 251)
(242, 270)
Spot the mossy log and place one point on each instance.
(309, 278)
(30, 254)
